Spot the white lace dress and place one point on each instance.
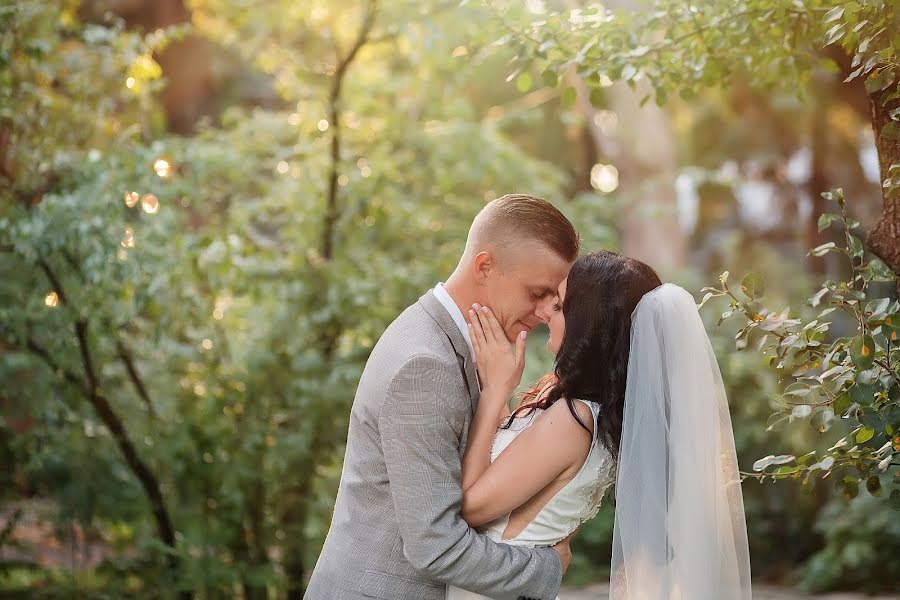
(571, 506)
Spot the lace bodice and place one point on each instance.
(571, 506)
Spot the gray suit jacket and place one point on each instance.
(396, 532)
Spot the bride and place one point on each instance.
(635, 399)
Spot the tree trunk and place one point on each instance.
(884, 238)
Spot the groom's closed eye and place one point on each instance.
(542, 293)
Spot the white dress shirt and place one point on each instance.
(444, 298)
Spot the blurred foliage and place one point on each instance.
(206, 304)
(855, 377)
(681, 48)
(841, 370)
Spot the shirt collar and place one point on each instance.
(447, 302)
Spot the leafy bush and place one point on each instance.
(853, 377)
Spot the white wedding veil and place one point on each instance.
(679, 529)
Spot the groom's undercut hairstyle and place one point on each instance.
(515, 220)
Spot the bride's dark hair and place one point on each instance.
(602, 290)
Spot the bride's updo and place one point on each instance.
(603, 289)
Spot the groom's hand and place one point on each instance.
(565, 552)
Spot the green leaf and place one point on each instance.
(891, 131)
(801, 411)
(834, 34)
(549, 78)
(706, 297)
(786, 470)
(880, 270)
(836, 195)
(879, 80)
(878, 306)
(892, 327)
(817, 298)
(823, 249)
(856, 247)
(776, 420)
(822, 420)
(862, 351)
(797, 390)
(871, 419)
(523, 82)
(754, 285)
(862, 393)
(864, 435)
(834, 14)
(841, 403)
(770, 460)
(826, 219)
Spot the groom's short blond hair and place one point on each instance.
(516, 220)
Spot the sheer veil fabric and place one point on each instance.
(679, 531)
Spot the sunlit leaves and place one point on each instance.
(202, 255)
(855, 378)
(763, 463)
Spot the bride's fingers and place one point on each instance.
(484, 327)
(496, 328)
(477, 329)
(476, 345)
(520, 348)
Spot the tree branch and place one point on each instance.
(127, 359)
(102, 407)
(334, 100)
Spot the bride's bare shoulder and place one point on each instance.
(556, 427)
(560, 412)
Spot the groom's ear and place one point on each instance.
(482, 266)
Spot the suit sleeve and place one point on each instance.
(420, 426)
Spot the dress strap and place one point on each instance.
(595, 411)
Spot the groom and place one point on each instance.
(396, 532)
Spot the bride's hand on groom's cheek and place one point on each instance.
(500, 364)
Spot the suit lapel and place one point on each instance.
(437, 312)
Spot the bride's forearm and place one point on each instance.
(477, 458)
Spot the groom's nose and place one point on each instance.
(542, 311)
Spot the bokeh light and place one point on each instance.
(51, 299)
(131, 199)
(162, 167)
(604, 178)
(150, 203)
